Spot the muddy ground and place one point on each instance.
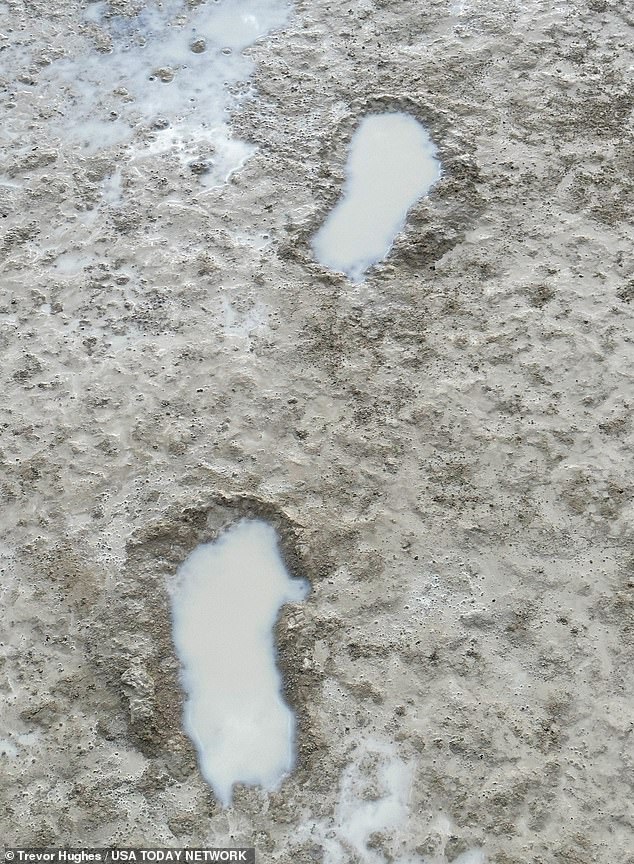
(444, 449)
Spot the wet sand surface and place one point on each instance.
(444, 449)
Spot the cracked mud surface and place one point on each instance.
(445, 449)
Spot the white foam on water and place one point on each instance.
(226, 598)
(392, 164)
(374, 799)
(168, 82)
(360, 814)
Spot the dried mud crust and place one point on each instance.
(449, 442)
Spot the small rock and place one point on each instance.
(165, 74)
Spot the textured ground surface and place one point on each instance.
(444, 449)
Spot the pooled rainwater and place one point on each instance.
(225, 601)
(392, 163)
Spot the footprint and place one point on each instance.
(392, 163)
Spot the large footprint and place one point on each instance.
(225, 602)
(392, 163)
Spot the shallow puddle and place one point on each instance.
(164, 81)
(392, 164)
(225, 601)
